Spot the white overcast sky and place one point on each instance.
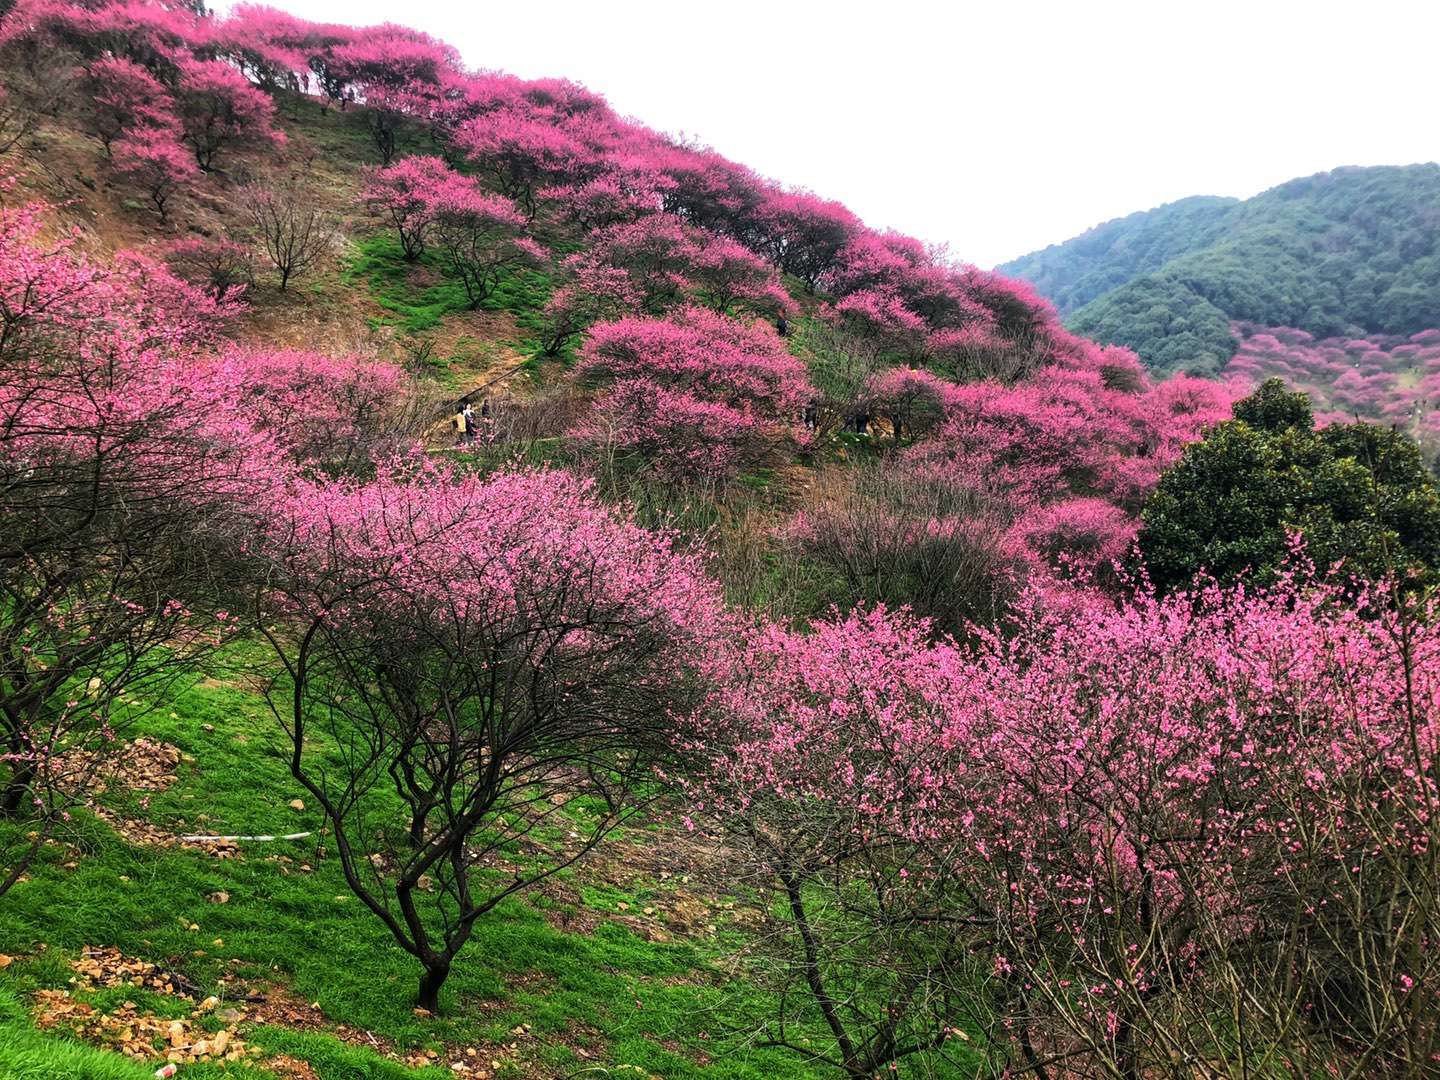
(994, 127)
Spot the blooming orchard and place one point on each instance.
(1002, 789)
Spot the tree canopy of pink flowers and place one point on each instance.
(697, 394)
(1122, 820)
(1119, 807)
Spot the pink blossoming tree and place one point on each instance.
(125, 481)
(488, 650)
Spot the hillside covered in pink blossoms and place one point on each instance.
(491, 589)
(1387, 379)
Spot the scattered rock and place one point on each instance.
(142, 765)
(290, 1068)
(136, 1034)
(108, 967)
(145, 834)
(220, 897)
(297, 804)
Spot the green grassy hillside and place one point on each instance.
(612, 969)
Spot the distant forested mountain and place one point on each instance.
(1350, 252)
(1105, 257)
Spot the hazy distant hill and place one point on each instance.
(1356, 250)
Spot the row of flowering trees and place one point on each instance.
(660, 226)
(494, 642)
(158, 82)
(1169, 837)
(1386, 379)
(1117, 835)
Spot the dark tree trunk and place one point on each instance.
(12, 800)
(435, 975)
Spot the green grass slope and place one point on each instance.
(616, 968)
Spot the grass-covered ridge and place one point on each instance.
(616, 966)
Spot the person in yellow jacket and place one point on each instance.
(461, 425)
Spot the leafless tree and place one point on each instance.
(291, 229)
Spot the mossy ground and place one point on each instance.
(608, 993)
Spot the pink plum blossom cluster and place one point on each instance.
(480, 236)
(1064, 456)
(1150, 817)
(697, 394)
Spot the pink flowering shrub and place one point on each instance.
(120, 95)
(744, 365)
(524, 150)
(340, 414)
(880, 314)
(728, 277)
(1020, 442)
(683, 438)
(1085, 534)
(803, 234)
(1108, 815)
(482, 646)
(152, 160)
(669, 262)
(977, 351)
(1208, 764)
(699, 395)
(912, 399)
(827, 754)
(218, 107)
(1066, 435)
(220, 265)
(588, 293)
(406, 193)
(610, 199)
(652, 252)
(481, 237)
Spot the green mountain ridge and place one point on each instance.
(1353, 250)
